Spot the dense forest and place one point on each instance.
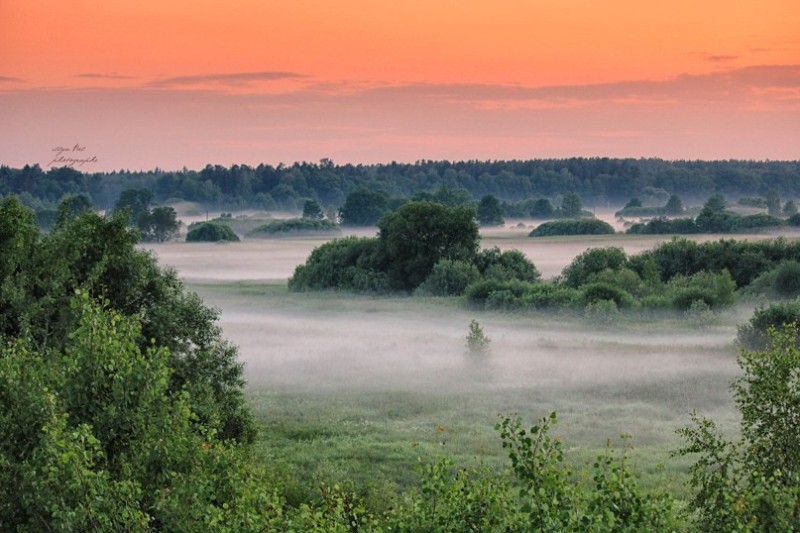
(598, 181)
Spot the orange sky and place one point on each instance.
(185, 83)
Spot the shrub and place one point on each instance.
(211, 232)
(665, 226)
(449, 278)
(479, 292)
(777, 316)
(294, 225)
(549, 296)
(601, 311)
(351, 263)
(594, 292)
(591, 262)
(505, 266)
(477, 341)
(588, 226)
(786, 283)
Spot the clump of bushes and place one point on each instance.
(293, 226)
(211, 232)
(778, 316)
(580, 226)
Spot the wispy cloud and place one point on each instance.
(10, 79)
(104, 76)
(721, 58)
(230, 79)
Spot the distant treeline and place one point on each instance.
(598, 181)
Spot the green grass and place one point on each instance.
(371, 435)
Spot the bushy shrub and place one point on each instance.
(449, 278)
(665, 226)
(756, 222)
(504, 266)
(479, 292)
(594, 292)
(777, 316)
(786, 283)
(351, 263)
(601, 312)
(716, 290)
(580, 226)
(591, 262)
(295, 225)
(549, 296)
(211, 232)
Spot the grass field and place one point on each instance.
(360, 389)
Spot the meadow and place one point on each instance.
(359, 389)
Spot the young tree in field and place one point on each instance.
(135, 201)
(773, 203)
(542, 208)
(674, 205)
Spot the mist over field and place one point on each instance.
(643, 379)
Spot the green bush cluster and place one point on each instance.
(293, 226)
(211, 232)
(580, 226)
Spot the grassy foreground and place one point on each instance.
(358, 389)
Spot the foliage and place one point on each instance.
(572, 227)
(591, 262)
(595, 292)
(789, 209)
(489, 211)
(665, 226)
(674, 205)
(449, 278)
(777, 316)
(364, 207)
(211, 232)
(94, 438)
(542, 208)
(293, 226)
(159, 225)
(786, 283)
(571, 206)
(350, 263)
(504, 266)
(98, 255)
(419, 234)
(477, 341)
(135, 201)
(752, 484)
(312, 210)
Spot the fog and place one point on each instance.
(324, 343)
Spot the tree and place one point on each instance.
(72, 206)
(773, 203)
(674, 205)
(135, 201)
(789, 208)
(363, 208)
(490, 213)
(312, 209)
(159, 225)
(752, 484)
(94, 438)
(571, 206)
(419, 234)
(542, 208)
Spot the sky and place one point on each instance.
(175, 83)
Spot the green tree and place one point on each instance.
(789, 208)
(419, 234)
(542, 208)
(773, 203)
(490, 212)
(72, 206)
(571, 206)
(135, 201)
(752, 484)
(674, 205)
(363, 208)
(159, 225)
(312, 209)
